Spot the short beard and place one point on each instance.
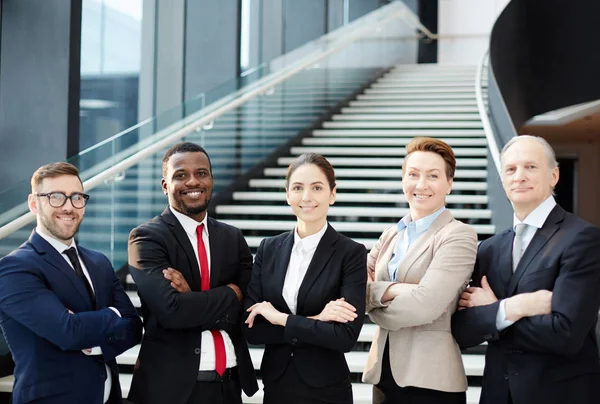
(54, 230)
(194, 210)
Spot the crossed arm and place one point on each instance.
(337, 326)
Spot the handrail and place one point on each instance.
(485, 120)
(208, 114)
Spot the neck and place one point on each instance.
(42, 229)
(416, 215)
(308, 229)
(521, 212)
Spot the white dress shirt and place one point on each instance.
(534, 221)
(207, 358)
(302, 253)
(61, 248)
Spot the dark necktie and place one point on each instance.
(71, 253)
(220, 355)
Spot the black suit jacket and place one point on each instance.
(338, 269)
(173, 322)
(551, 358)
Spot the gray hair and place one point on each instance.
(552, 163)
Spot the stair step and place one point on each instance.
(406, 117)
(409, 133)
(416, 90)
(341, 197)
(412, 103)
(404, 124)
(409, 110)
(367, 185)
(359, 227)
(336, 211)
(373, 141)
(393, 83)
(383, 161)
(407, 97)
(375, 173)
(377, 151)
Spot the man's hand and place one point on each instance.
(337, 310)
(528, 305)
(237, 290)
(474, 296)
(270, 313)
(178, 282)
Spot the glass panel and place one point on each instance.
(237, 141)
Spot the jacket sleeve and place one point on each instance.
(147, 259)
(446, 276)
(133, 335)
(474, 325)
(25, 298)
(372, 257)
(575, 301)
(336, 336)
(262, 331)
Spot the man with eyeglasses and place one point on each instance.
(63, 311)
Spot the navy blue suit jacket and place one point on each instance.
(37, 290)
(550, 359)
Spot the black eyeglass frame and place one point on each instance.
(86, 197)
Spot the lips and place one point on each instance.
(421, 196)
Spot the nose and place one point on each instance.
(193, 180)
(422, 182)
(519, 174)
(306, 195)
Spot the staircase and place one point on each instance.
(365, 144)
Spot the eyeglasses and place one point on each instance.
(58, 199)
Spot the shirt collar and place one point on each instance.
(58, 245)
(308, 243)
(421, 225)
(538, 216)
(189, 225)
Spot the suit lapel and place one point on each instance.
(541, 237)
(91, 264)
(422, 243)
(282, 260)
(505, 261)
(52, 257)
(381, 270)
(323, 253)
(217, 242)
(183, 239)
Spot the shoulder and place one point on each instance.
(24, 256)
(455, 229)
(275, 241)
(153, 226)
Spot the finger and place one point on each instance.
(349, 314)
(484, 283)
(460, 308)
(167, 275)
(470, 289)
(345, 305)
(341, 299)
(252, 307)
(464, 303)
(465, 296)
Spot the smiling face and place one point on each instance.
(309, 195)
(188, 183)
(527, 176)
(61, 223)
(425, 183)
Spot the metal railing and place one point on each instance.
(484, 114)
(325, 46)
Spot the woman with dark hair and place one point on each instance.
(417, 271)
(306, 297)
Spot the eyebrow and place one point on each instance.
(415, 168)
(312, 183)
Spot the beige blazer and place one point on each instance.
(436, 269)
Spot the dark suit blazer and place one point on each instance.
(170, 354)
(551, 358)
(338, 269)
(37, 288)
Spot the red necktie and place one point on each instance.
(220, 357)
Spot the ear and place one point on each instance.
(287, 196)
(32, 204)
(163, 185)
(555, 175)
(332, 196)
(450, 182)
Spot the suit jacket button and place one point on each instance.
(506, 376)
(197, 351)
(294, 340)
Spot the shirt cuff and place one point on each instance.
(116, 311)
(93, 351)
(501, 321)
